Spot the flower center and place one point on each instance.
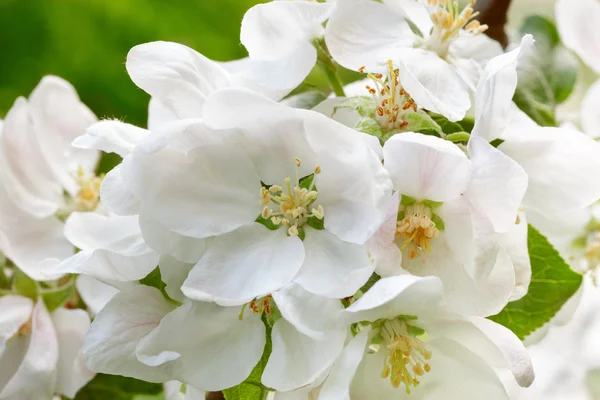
(392, 101)
(417, 228)
(292, 206)
(448, 20)
(407, 357)
(88, 196)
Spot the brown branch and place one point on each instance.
(494, 13)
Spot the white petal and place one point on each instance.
(396, 295)
(497, 345)
(95, 294)
(580, 37)
(514, 243)
(354, 188)
(131, 315)
(31, 185)
(309, 314)
(275, 78)
(184, 248)
(416, 12)
(495, 91)
(562, 165)
(419, 164)
(333, 268)
(216, 190)
(383, 251)
(59, 116)
(173, 273)
(361, 33)
(112, 248)
(434, 84)
(71, 372)
(498, 184)
(249, 262)
(116, 196)
(270, 31)
(297, 359)
(111, 137)
(27, 240)
(34, 378)
(16, 311)
(179, 77)
(159, 114)
(206, 345)
(337, 385)
(590, 115)
(479, 48)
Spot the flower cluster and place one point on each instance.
(354, 250)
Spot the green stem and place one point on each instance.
(328, 65)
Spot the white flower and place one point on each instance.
(449, 221)
(437, 65)
(285, 30)
(110, 240)
(179, 79)
(417, 349)
(210, 347)
(320, 191)
(589, 114)
(562, 164)
(40, 352)
(580, 37)
(37, 167)
(174, 391)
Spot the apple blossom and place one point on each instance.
(141, 334)
(278, 205)
(40, 352)
(438, 47)
(410, 346)
(51, 181)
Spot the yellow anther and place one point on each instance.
(317, 170)
(298, 161)
(293, 231)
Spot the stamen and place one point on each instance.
(417, 229)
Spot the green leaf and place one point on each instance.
(252, 388)
(363, 105)
(370, 127)
(115, 387)
(543, 30)
(307, 181)
(552, 284)
(24, 285)
(154, 279)
(421, 122)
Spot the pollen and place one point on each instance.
(406, 359)
(292, 205)
(391, 100)
(88, 195)
(417, 229)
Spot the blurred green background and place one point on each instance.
(86, 42)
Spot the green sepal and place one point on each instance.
(305, 100)
(54, 298)
(154, 279)
(369, 126)
(267, 223)
(415, 330)
(446, 125)
(306, 181)
(407, 200)
(115, 387)
(433, 204)
(363, 105)
(496, 142)
(439, 223)
(24, 285)
(301, 234)
(316, 223)
(421, 122)
(457, 137)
